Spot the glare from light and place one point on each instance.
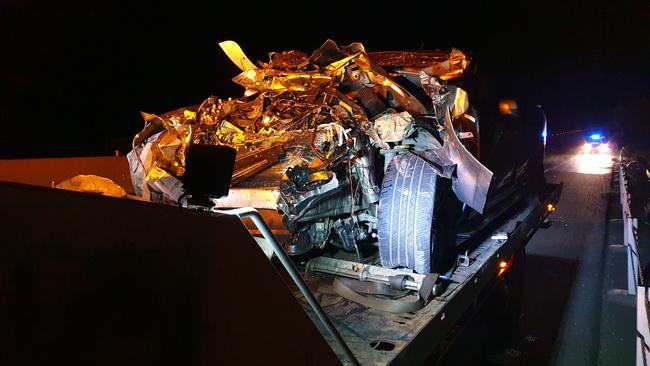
(586, 147)
(599, 163)
(603, 148)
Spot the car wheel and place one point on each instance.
(417, 229)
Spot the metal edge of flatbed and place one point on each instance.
(469, 282)
(415, 336)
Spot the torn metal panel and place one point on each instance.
(472, 179)
(276, 80)
(140, 161)
(444, 96)
(433, 86)
(236, 55)
(445, 65)
(162, 186)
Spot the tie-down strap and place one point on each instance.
(390, 298)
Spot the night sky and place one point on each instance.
(73, 76)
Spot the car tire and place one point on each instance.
(416, 228)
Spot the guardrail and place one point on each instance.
(635, 282)
(630, 235)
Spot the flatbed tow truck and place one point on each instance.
(255, 315)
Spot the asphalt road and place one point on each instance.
(563, 277)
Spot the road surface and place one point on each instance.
(559, 324)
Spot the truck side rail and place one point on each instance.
(256, 217)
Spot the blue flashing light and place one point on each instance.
(544, 134)
(595, 136)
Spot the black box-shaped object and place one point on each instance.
(208, 170)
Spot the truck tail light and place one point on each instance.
(503, 266)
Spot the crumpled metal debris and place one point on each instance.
(444, 96)
(327, 100)
(433, 86)
(92, 184)
(393, 126)
(445, 65)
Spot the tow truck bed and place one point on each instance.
(374, 337)
(381, 338)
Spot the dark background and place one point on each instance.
(73, 76)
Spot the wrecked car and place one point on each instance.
(375, 154)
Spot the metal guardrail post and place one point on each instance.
(254, 215)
